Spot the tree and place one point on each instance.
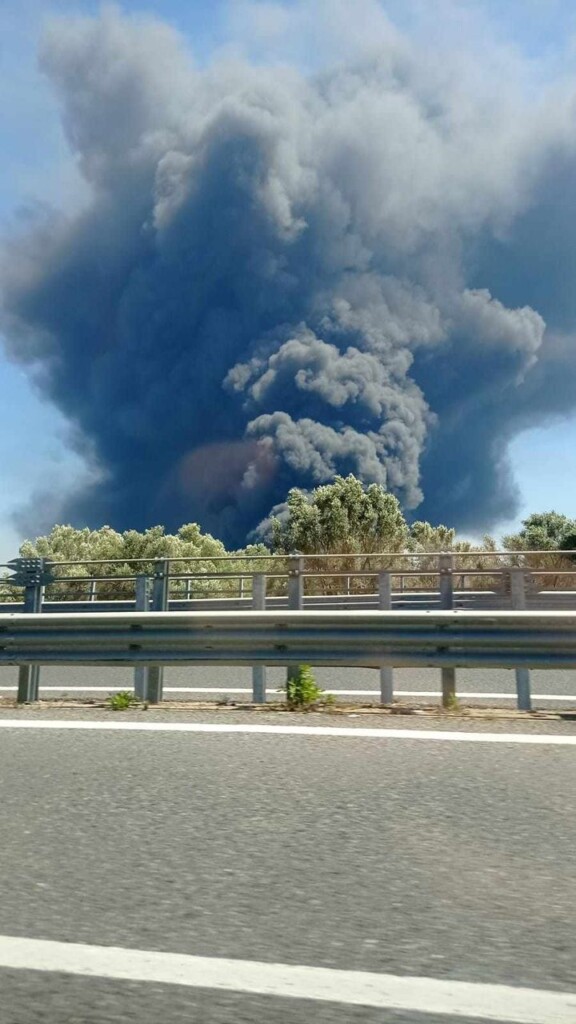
(568, 543)
(426, 541)
(425, 537)
(132, 552)
(541, 531)
(341, 517)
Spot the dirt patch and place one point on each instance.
(332, 710)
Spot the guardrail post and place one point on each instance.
(446, 587)
(29, 675)
(386, 671)
(518, 603)
(259, 671)
(142, 604)
(295, 583)
(159, 603)
(295, 597)
(142, 594)
(33, 574)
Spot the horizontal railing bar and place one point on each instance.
(281, 639)
(357, 657)
(322, 620)
(370, 639)
(84, 619)
(185, 576)
(226, 576)
(414, 598)
(351, 574)
(371, 629)
(91, 579)
(408, 573)
(158, 559)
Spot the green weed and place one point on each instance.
(121, 701)
(302, 690)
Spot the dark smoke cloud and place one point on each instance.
(280, 277)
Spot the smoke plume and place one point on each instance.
(279, 276)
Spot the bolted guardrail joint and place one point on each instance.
(296, 581)
(295, 563)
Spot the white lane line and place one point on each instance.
(544, 739)
(344, 693)
(322, 984)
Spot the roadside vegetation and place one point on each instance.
(121, 701)
(341, 518)
(303, 692)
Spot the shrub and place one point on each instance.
(121, 701)
(302, 691)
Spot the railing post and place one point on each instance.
(142, 604)
(295, 583)
(160, 587)
(518, 603)
(92, 596)
(446, 587)
(259, 671)
(295, 597)
(33, 574)
(386, 671)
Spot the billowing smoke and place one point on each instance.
(282, 276)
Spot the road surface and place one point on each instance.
(436, 864)
(551, 689)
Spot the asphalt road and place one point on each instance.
(435, 860)
(217, 682)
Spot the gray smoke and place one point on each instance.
(279, 277)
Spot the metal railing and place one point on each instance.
(344, 574)
(320, 579)
(516, 589)
(444, 639)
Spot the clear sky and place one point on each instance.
(35, 165)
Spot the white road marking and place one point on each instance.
(343, 693)
(544, 739)
(352, 988)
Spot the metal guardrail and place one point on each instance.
(517, 590)
(445, 639)
(193, 576)
(483, 600)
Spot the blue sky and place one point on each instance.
(35, 165)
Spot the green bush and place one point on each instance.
(121, 701)
(302, 691)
